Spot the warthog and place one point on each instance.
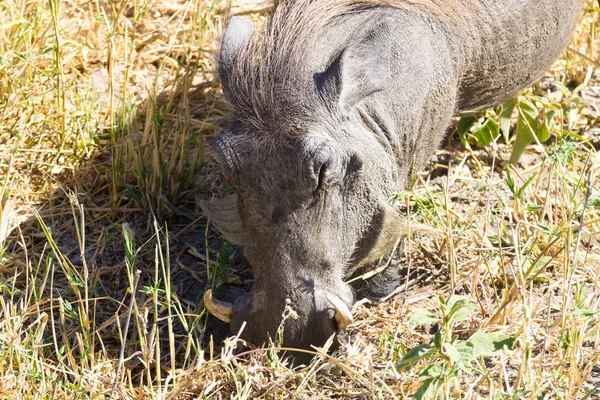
(334, 105)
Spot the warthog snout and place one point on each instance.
(224, 311)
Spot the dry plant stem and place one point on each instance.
(480, 260)
(584, 57)
(450, 234)
(408, 256)
(60, 97)
(124, 339)
(166, 274)
(577, 243)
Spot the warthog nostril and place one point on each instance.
(218, 308)
(343, 315)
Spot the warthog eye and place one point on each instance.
(328, 168)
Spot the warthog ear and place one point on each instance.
(361, 69)
(235, 38)
(223, 214)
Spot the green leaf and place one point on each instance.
(584, 312)
(423, 317)
(460, 308)
(510, 182)
(522, 188)
(575, 136)
(452, 353)
(456, 300)
(540, 266)
(428, 390)
(416, 354)
(486, 132)
(529, 111)
(437, 340)
(505, 117)
(490, 344)
(527, 127)
(565, 91)
(575, 102)
(68, 309)
(464, 127)
(434, 370)
(465, 348)
(478, 131)
(547, 126)
(466, 123)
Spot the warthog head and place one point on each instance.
(312, 170)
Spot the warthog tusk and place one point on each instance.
(218, 308)
(343, 315)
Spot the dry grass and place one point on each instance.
(105, 110)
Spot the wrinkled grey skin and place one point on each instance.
(333, 111)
